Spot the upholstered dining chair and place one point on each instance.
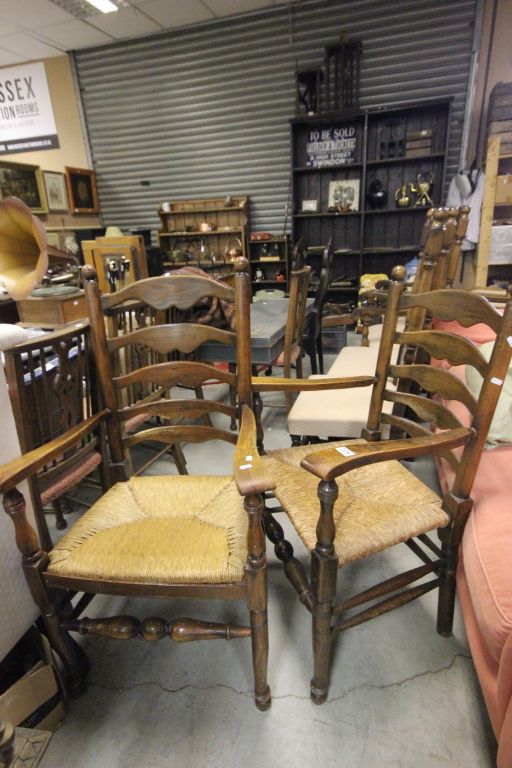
(353, 499)
(169, 536)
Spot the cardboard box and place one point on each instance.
(35, 699)
(504, 189)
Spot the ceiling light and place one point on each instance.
(105, 6)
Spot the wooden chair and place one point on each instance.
(299, 253)
(377, 502)
(170, 536)
(292, 351)
(122, 320)
(51, 385)
(453, 223)
(312, 341)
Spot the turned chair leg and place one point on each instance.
(73, 657)
(324, 572)
(320, 351)
(257, 597)
(259, 641)
(179, 459)
(58, 510)
(447, 589)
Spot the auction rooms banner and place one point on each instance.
(27, 123)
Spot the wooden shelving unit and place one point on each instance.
(186, 239)
(353, 147)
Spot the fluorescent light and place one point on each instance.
(105, 6)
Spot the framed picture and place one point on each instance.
(81, 184)
(25, 182)
(343, 195)
(309, 206)
(53, 239)
(55, 185)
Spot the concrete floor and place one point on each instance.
(401, 695)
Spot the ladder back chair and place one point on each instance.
(51, 383)
(169, 536)
(295, 321)
(312, 341)
(439, 257)
(354, 499)
(123, 320)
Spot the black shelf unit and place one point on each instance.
(275, 247)
(367, 240)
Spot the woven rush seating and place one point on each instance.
(354, 499)
(199, 538)
(378, 506)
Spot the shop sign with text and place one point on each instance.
(27, 123)
(331, 146)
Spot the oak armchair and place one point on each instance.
(168, 536)
(354, 499)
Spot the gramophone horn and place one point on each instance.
(23, 248)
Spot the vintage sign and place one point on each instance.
(27, 123)
(331, 146)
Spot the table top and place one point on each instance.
(268, 324)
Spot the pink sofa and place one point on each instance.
(484, 577)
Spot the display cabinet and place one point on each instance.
(366, 178)
(208, 233)
(268, 258)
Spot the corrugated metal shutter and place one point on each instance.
(204, 111)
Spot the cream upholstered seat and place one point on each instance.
(378, 505)
(191, 530)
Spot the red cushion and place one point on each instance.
(478, 334)
(487, 540)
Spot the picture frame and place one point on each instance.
(56, 191)
(25, 182)
(343, 196)
(82, 192)
(53, 239)
(309, 206)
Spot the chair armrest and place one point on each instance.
(251, 475)
(332, 463)
(334, 321)
(282, 384)
(13, 472)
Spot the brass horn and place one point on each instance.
(24, 250)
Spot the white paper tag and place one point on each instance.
(248, 458)
(245, 466)
(497, 381)
(345, 451)
(509, 339)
